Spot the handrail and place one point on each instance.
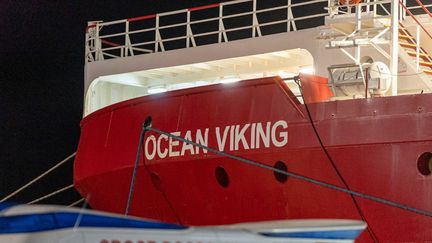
(141, 18)
(424, 8)
(110, 43)
(102, 40)
(416, 7)
(203, 7)
(415, 19)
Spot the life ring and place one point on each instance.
(350, 2)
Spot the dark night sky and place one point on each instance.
(41, 76)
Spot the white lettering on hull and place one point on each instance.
(229, 138)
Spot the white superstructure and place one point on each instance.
(246, 39)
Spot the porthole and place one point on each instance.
(424, 163)
(222, 177)
(282, 178)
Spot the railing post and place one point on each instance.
(158, 38)
(375, 6)
(349, 8)
(368, 6)
(189, 34)
(402, 13)
(253, 18)
(156, 33)
(128, 43)
(89, 45)
(418, 48)
(92, 40)
(394, 50)
(255, 23)
(222, 32)
(98, 44)
(220, 24)
(358, 28)
(87, 49)
(290, 18)
(187, 28)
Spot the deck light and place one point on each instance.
(157, 89)
(229, 80)
(307, 70)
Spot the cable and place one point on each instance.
(76, 203)
(38, 178)
(51, 194)
(149, 172)
(146, 125)
(326, 152)
(297, 176)
(81, 213)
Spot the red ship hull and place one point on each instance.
(376, 144)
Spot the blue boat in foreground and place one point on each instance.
(49, 224)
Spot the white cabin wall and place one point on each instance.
(305, 39)
(103, 93)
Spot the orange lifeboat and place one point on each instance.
(345, 2)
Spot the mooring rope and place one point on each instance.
(295, 175)
(297, 80)
(38, 178)
(81, 213)
(52, 194)
(146, 125)
(76, 203)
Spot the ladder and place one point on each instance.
(413, 49)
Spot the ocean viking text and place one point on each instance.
(228, 138)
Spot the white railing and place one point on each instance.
(192, 27)
(211, 24)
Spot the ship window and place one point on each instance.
(424, 163)
(222, 177)
(282, 178)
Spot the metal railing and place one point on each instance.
(192, 27)
(215, 23)
(419, 26)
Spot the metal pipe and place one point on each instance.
(394, 50)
